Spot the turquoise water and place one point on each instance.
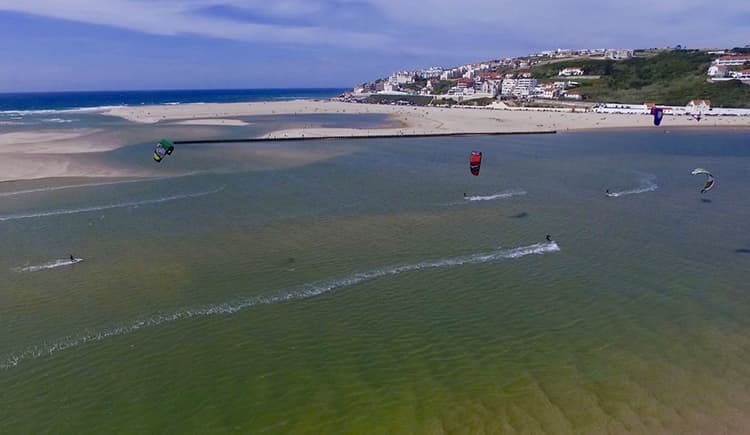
(348, 287)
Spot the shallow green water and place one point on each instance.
(347, 287)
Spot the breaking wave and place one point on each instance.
(302, 292)
(50, 265)
(107, 206)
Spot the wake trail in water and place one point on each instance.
(500, 195)
(80, 186)
(107, 206)
(50, 265)
(303, 292)
(648, 184)
(76, 186)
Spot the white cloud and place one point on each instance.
(434, 27)
(170, 17)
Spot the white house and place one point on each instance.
(430, 73)
(549, 91)
(717, 71)
(698, 106)
(551, 94)
(573, 71)
(390, 87)
(741, 75)
(618, 54)
(732, 60)
(402, 77)
(572, 96)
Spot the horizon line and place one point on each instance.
(174, 90)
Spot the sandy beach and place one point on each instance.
(42, 153)
(411, 120)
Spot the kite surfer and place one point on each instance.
(549, 238)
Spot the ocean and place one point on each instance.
(47, 101)
(348, 286)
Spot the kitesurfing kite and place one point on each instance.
(475, 162)
(696, 116)
(658, 113)
(710, 183)
(163, 149)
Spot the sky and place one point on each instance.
(56, 45)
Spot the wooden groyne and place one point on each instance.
(372, 136)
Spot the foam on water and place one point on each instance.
(500, 195)
(49, 265)
(648, 184)
(57, 111)
(107, 206)
(302, 292)
(58, 120)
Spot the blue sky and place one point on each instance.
(177, 44)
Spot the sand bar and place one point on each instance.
(59, 152)
(415, 120)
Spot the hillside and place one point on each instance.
(673, 77)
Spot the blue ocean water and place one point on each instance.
(73, 100)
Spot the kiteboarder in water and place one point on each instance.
(72, 258)
(549, 238)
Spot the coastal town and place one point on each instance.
(548, 80)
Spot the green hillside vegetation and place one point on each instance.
(673, 77)
(591, 67)
(443, 86)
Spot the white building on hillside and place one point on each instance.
(430, 73)
(732, 60)
(718, 71)
(401, 78)
(521, 88)
(741, 75)
(698, 106)
(572, 71)
(390, 87)
(507, 86)
(618, 54)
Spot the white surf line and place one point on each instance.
(108, 206)
(50, 265)
(302, 292)
(500, 195)
(647, 185)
